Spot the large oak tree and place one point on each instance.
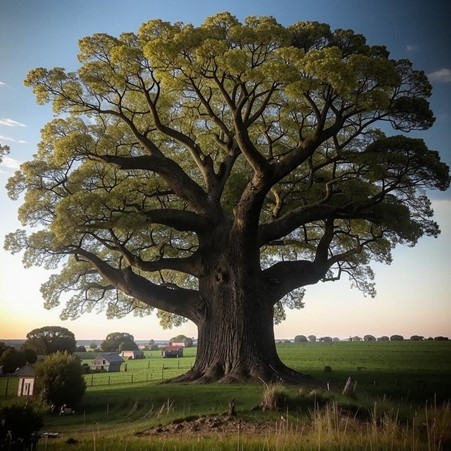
(50, 339)
(118, 341)
(212, 172)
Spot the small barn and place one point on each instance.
(172, 351)
(27, 379)
(132, 355)
(107, 361)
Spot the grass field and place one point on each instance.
(407, 370)
(404, 382)
(415, 371)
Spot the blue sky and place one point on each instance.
(413, 293)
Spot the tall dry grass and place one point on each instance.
(326, 428)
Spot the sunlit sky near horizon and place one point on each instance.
(413, 294)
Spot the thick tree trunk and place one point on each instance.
(236, 347)
(236, 331)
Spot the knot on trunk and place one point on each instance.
(201, 309)
(221, 275)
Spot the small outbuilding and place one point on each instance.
(107, 361)
(27, 380)
(172, 351)
(132, 355)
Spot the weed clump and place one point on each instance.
(277, 397)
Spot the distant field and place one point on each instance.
(409, 370)
(405, 370)
(152, 368)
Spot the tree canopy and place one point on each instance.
(187, 341)
(119, 341)
(210, 173)
(50, 339)
(11, 359)
(4, 150)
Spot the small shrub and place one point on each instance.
(60, 379)
(19, 427)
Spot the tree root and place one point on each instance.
(212, 375)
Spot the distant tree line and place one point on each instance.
(39, 342)
(327, 339)
(52, 339)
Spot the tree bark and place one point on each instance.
(236, 344)
(235, 327)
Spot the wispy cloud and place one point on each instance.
(411, 48)
(6, 138)
(11, 122)
(12, 140)
(2, 84)
(10, 163)
(442, 75)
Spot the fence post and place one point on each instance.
(7, 385)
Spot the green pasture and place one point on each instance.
(404, 370)
(400, 378)
(150, 369)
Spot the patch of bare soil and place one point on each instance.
(208, 425)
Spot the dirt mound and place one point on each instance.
(206, 425)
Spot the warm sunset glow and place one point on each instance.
(413, 293)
